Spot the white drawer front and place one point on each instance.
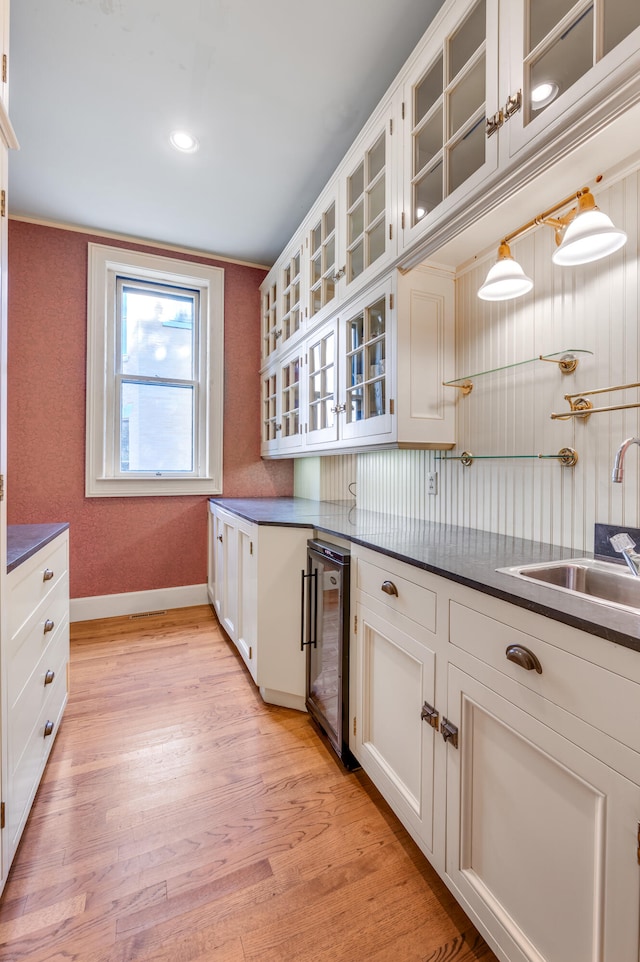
(398, 593)
(33, 580)
(38, 692)
(568, 681)
(25, 772)
(26, 649)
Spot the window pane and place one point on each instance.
(156, 422)
(157, 333)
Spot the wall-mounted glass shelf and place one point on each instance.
(567, 457)
(567, 361)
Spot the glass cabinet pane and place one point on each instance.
(366, 343)
(467, 155)
(291, 308)
(621, 17)
(321, 383)
(466, 40)
(467, 96)
(446, 147)
(367, 206)
(563, 62)
(428, 141)
(323, 261)
(428, 90)
(543, 17)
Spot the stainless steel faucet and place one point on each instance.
(624, 545)
(618, 470)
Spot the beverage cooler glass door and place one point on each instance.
(325, 636)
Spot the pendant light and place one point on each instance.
(505, 279)
(588, 236)
(583, 235)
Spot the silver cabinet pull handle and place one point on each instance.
(48, 728)
(48, 625)
(389, 588)
(49, 676)
(520, 655)
(47, 574)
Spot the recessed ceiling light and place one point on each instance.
(543, 94)
(183, 141)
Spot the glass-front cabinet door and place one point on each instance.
(291, 286)
(367, 188)
(452, 89)
(281, 407)
(561, 53)
(322, 372)
(366, 405)
(322, 270)
(270, 319)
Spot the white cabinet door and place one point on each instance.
(541, 835)
(394, 743)
(322, 386)
(282, 400)
(366, 225)
(323, 256)
(227, 573)
(247, 584)
(450, 88)
(570, 62)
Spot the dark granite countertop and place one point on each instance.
(23, 540)
(465, 555)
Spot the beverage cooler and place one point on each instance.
(325, 636)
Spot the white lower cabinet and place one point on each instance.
(530, 807)
(254, 587)
(36, 657)
(395, 681)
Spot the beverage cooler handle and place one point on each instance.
(303, 633)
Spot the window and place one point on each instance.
(154, 375)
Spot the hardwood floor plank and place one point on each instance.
(180, 819)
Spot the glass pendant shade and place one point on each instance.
(505, 279)
(588, 237)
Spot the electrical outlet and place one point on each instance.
(432, 482)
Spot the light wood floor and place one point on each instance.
(180, 819)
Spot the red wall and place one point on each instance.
(117, 544)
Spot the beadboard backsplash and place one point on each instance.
(507, 415)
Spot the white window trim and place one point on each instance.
(104, 263)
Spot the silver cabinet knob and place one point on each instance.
(48, 729)
(49, 676)
(47, 574)
(48, 625)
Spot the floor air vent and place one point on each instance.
(146, 614)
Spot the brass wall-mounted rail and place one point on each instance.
(583, 408)
(567, 457)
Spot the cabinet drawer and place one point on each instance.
(602, 698)
(397, 592)
(28, 646)
(25, 771)
(38, 691)
(33, 580)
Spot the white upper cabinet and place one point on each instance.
(367, 219)
(571, 64)
(282, 296)
(322, 255)
(281, 400)
(450, 87)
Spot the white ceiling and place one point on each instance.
(274, 90)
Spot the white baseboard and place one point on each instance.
(137, 602)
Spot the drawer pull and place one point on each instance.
(220, 538)
(48, 625)
(49, 676)
(389, 588)
(47, 574)
(48, 729)
(520, 655)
